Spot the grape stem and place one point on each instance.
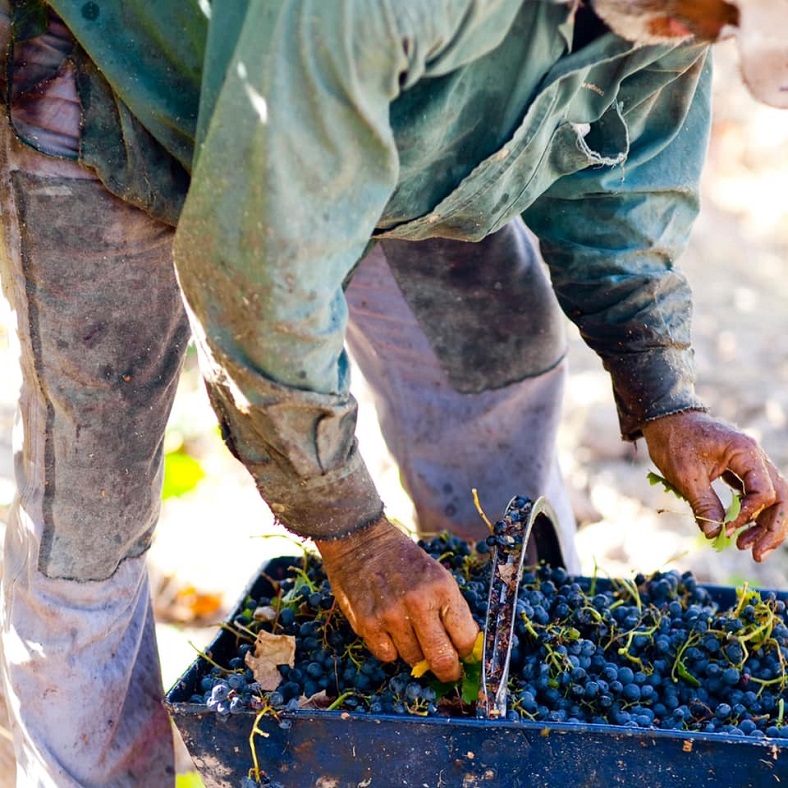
(480, 510)
(257, 731)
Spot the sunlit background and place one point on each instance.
(215, 531)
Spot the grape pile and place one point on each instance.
(649, 652)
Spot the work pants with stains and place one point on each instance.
(500, 440)
(102, 335)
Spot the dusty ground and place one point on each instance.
(213, 539)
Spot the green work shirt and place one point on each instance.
(326, 124)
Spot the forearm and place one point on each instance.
(637, 318)
(612, 236)
(295, 164)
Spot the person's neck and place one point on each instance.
(588, 26)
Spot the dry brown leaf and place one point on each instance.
(507, 573)
(265, 613)
(269, 651)
(319, 700)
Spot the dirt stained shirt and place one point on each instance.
(325, 125)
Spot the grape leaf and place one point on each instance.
(471, 674)
(722, 541)
(478, 649)
(471, 679)
(655, 478)
(472, 671)
(293, 597)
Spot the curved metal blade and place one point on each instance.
(512, 535)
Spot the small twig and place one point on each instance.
(205, 656)
(256, 730)
(480, 510)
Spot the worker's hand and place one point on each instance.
(693, 449)
(399, 599)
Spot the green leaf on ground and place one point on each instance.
(182, 473)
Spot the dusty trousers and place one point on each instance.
(500, 436)
(102, 334)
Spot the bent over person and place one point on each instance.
(365, 171)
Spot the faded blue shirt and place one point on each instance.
(326, 124)
(338, 122)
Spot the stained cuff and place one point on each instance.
(301, 451)
(650, 385)
(325, 507)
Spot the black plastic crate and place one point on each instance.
(333, 749)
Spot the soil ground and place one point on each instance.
(211, 541)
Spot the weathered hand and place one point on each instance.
(693, 449)
(399, 599)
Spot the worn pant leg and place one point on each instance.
(102, 334)
(500, 441)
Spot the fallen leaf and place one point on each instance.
(265, 613)
(507, 573)
(201, 604)
(319, 700)
(270, 651)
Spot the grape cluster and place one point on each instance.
(647, 652)
(232, 690)
(653, 652)
(331, 660)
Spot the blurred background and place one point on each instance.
(215, 531)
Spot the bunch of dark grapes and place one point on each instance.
(332, 665)
(650, 652)
(654, 652)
